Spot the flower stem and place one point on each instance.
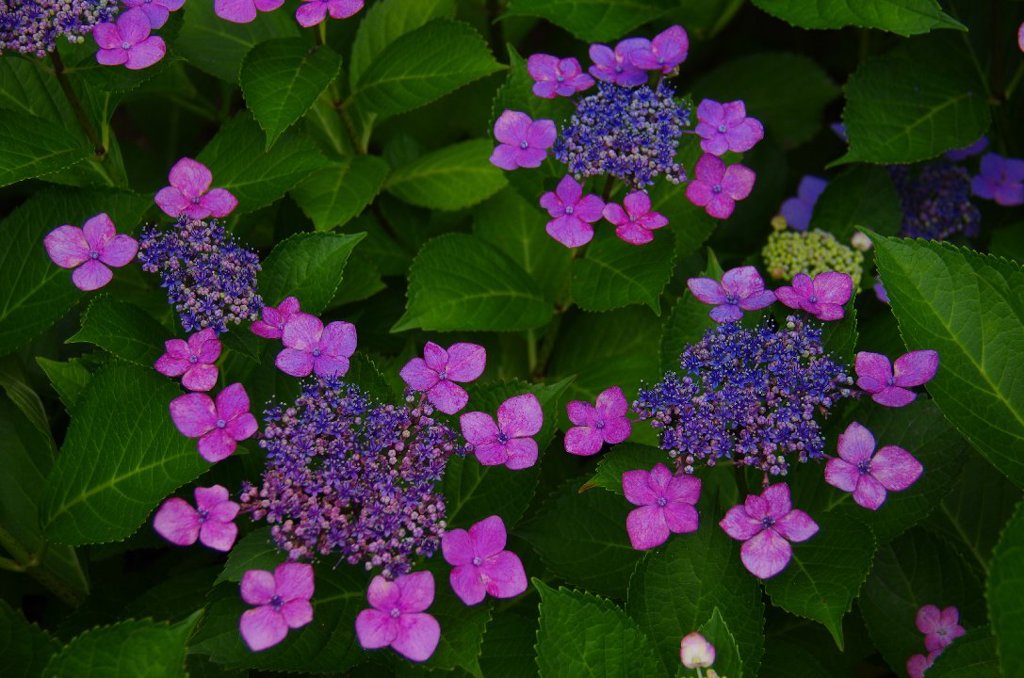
(76, 106)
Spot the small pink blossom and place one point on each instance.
(482, 565)
(919, 663)
(823, 296)
(157, 11)
(212, 522)
(616, 66)
(128, 42)
(219, 424)
(557, 77)
(522, 141)
(742, 289)
(282, 598)
(696, 652)
(1020, 37)
(192, 360)
(189, 193)
(716, 187)
(667, 505)
(868, 475)
(437, 371)
(508, 441)
(272, 320)
(311, 347)
(573, 212)
(726, 127)
(634, 221)
(595, 425)
(766, 523)
(397, 618)
(243, 11)
(940, 627)
(664, 53)
(890, 385)
(313, 12)
(90, 250)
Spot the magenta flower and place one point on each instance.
(573, 212)
(667, 505)
(482, 565)
(557, 77)
(716, 187)
(283, 603)
(1020, 37)
(741, 289)
(272, 321)
(696, 652)
(766, 523)
(311, 347)
(510, 440)
(664, 53)
(397, 618)
(243, 11)
(889, 386)
(157, 11)
(437, 371)
(919, 663)
(940, 627)
(880, 292)
(313, 12)
(595, 425)
(1001, 179)
(189, 193)
(192, 360)
(858, 469)
(212, 522)
(797, 211)
(726, 127)
(219, 424)
(90, 250)
(523, 141)
(617, 66)
(823, 296)
(128, 42)
(634, 219)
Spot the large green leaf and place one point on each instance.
(860, 197)
(34, 147)
(67, 378)
(27, 88)
(25, 647)
(972, 656)
(388, 20)
(451, 178)
(121, 456)
(593, 20)
(968, 307)
(903, 17)
(1005, 595)
(123, 329)
(309, 266)
(621, 458)
(508, 651)
(614, 273)
(727, 652)
(336, 194)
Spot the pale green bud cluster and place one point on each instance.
(812, 252)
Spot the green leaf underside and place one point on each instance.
(902, 17)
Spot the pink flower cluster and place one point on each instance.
(940, 629)
(309, 13)
(742, 289)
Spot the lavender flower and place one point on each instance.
(34, 26)
(616, 66)
(936, 201)
(1000, 179)
(128, 42)
(557, 77)
(766, 524)
(798, 210)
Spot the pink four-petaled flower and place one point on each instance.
(282, 598)
(742, 289)
(822, 296)
(616, 66)
(889, 384)
(243, 11)
(522, 141)
(192, 360)
(867, 474)
(664, 52)
(573, 212)
(211, 522)
(437, 371)
(716, 187)
(726, 127)
(766, 523)
(311, 347)
(219, 424)
(940, 627)
(595, 425)
(313, 12)
(634, 221)
(190, 195)
(508, 441)
(157, 11)
(128, 42)
(667, 505)
(919, 663)
(90, 250)
(397, 618)
(1000, 179)
(557, 77)
(272, 320)
(482, 565)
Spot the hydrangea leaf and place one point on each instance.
(254, 551)
(688, 321)
(309, 266)
(593, 20)
(333, 196)
(839, 337)
(281, 79)
(34, 147)
(967, 306)
(805, 648)
(861, 197)
(622, 458)
(614, 273)
(123, 329)
(612, 644)
(460, 282)
(451, 178)
(690, 224)
(705, 20)
(67, 378)
(678, 586)
(121, 456)
(727, 652)
(946, 107)
(26, 88)
(1005, 594)
(826, 573)
(26, 648)
(508, 651)
(388, 20)
(135, 648)
(902, 17)
(973, 654)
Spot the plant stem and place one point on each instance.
(76, 106)
(1018, 75)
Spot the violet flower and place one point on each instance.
(889, 384)
(742, 289)
(437, 371)
(616, 66)
(90, 250)
(557, 77)
(634, 220)
(397, 618)
(283, 603)
(573, 212)
(797, 211)
(726, 127)
(243, 11)
(192, 360)
(823, 296)
(919, 663)
(667, 505)
(696, 652)
(128, 42)
(313, 12)
(272, 320)
(522, 141)
(310, 347)
(1001, 179)
(766, 524)
(219, 424)
(482, 565)
(157, 11)
(189, 194)
(211, 522)
(508, 441)
(940, 627)
(595, 425)
(716, 187)
(664, 53)
(869, 474)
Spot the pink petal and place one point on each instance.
(583, 441)
(659, 478)
(416, 591)
(219, 202)
(146, 53)
(216, 446)
(796, 526)
(311, 13)
(418, 375)
(343, 9)
(504, 156)
(522, 453)
(448, 397)
(418, 635)
(894, 396)
(198, 377)
(711, 112)
(680, 517)
(119, 251)
(915, 368)
(468, 584)
(646, 527)
(827, 312)
(520, 416)
(491, 453)
(569, 191)
(777, 497)
(297, 613)
(156, 14)
(757, 507)
(589, 208)
(339, 339)
(766, 554)
(98, 231)
(636, 488)
(873, 371)
(511, 127)
(614, 214)
(928, 619)
(257, 587)
(303, 332)
(757, 301)
(224, 512)
(294, 581)
(743, 281)
(616, 430)
(107, 36)
(173, 367)
(67, 246)
(710, 169)
(383, 594)
(191, 177)
(917, 665)
(242, 427)
(683, 488)
(739, 525)
(435, 356)
(570, 231)
(478, 427)
(856, 444)
(466, 362)
(745, 135)
(738, 181)
(542, 134)
(133, 26)
(194, 414)
(218, 536)
(488, 536)
(327, 366)
(171, 201)
(232, 402)
(842, 474)
(205, 345)
(581, 413)
(726, 313)
(895, 468)
(789, 297)
(91, 275)
(542, 66)
(699, 192)
(262, 627)
(706, 290)
(721, 206)
(375, 629)
(294, 362)
(177, 522)
(209, 497)
(178, 349)
(832, 287)
(505, 576)
(112, 57)
(637, 203)
(457, 547)
(869, 493)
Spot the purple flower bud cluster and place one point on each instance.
(33, 26)
(348, 476)
(747, 395)
(936, 200)
(631, 133)
(210, 279)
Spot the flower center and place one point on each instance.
(477, 560)
(93, 254)
(618, 69)
(767, 522)
(723, 129)
(316, 353)
(864, 467)
(568, 209)
(395, 613)
(717, 188)
(195, 200)
(442, 375)
(193, 359)
(599, 425)
(502, 438)
(203, 514)
(662, 501)
(221, 423)
(560, 78)
(890, 381)
(731, 299)
(524, 144)
(276, 602)
(126, 45)
(813, 298)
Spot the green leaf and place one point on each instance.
(254, 551)
(281, 79)
(622, 458)
(25, 647)
(971, 656)
(861, 197)
(131, 648)
(460, 282)
(68, 378)
(945, 107)
(34, 147)
(421, 66)
(26, 87)
(688, 322)
(593, 20)
(1005, 594)
(581, 634)
(333, 196)
(388, 20)
(121, 456)
(508, 651)
(614, 273)
(968, 307)
(309, 266)
(451, 178)
(902, 17)
(123, 329)
(690, 224)
(34, 292)
(727, 652)
(678, 587)
(258, 177)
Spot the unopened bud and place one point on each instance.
(696, 652)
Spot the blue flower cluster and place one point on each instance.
(33, 26)
(936, 200)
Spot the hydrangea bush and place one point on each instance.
(511, 338)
